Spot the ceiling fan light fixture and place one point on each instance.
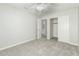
(40, 8)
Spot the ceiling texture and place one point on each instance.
(44, 8)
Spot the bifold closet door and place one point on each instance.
(63, 28)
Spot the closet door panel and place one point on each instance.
(63, 28)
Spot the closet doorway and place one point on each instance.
(54, 28)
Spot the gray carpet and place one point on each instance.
(42, 47)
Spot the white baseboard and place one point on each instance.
(15, 44)
(76, 44)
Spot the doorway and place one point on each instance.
(48, 28)
(44, 28)
(54, 28)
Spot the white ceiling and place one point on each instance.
(54, 7)
(61, 6)
(58, 6)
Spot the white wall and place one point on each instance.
(63, 29)
(38, 28)
(15, 25)
(73, 23)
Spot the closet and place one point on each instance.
(54, 28)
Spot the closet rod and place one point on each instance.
(55, 23)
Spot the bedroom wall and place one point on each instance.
(16, 26)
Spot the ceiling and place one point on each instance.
(58, 6)
(53, 7)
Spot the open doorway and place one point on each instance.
(44, 28)
(54, 28)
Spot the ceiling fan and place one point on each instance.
(38, 6)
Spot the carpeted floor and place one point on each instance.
(42, 47)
